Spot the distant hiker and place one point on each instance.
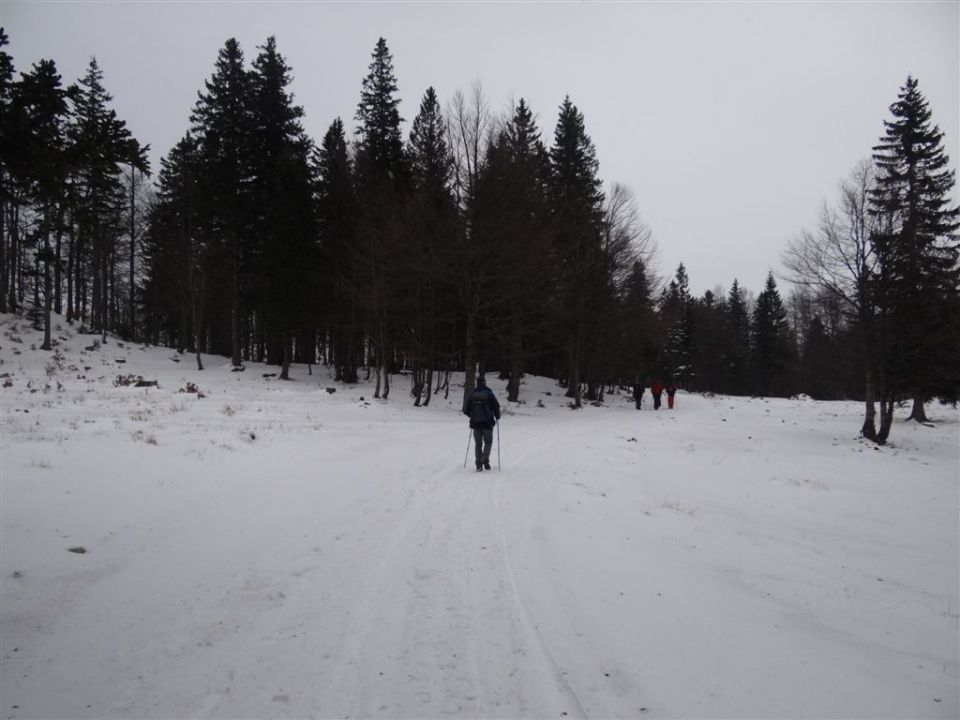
(656, 390)
(638, 394)
(671, 391)
(483, 410)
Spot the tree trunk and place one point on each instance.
(285, 356)
(386, 375)
(573, 372)
(36, 292)
(235, 358)
(918, 412)
(428, 386)
(113, 302)
(470, 354)
(516, 359)
(3, 242)
(47, 285)
(58, 264)
(196, 308)
(869, 429)
(71, 254)
(132, 315)
(416, 390)
(13, 304)
(886, 419)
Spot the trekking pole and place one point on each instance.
(498, 447)
(469, 433)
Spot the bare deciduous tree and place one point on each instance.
(469, 123)
(627, 237)
(838, 259)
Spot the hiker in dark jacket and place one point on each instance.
(483, 410)
(638, 394)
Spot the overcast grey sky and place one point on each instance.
(731, 121)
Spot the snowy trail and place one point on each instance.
(441, 628)
(276, 550)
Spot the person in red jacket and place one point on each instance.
(656, 390)
(671, 391)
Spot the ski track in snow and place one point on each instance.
(444, 587)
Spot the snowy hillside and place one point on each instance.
(298, 549)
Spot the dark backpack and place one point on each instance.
(479, 405)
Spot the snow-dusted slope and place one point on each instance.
(272, 549)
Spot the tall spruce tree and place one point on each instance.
(283, 251)
(102, 144)
(638, 321)
(337, 217)
(773, 344)
(430, 225)
(711, 340)
(576, 202)
(222, 123)
(10, 149)
(510, 237)
(42, 99)
(178, 261)
(527, 237)
(917, 251)
(677, 313)
(382, 172)
(381, 159)
(736, 355)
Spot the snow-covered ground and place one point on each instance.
(273, 549)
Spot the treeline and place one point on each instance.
(470, 243)
(69, 175)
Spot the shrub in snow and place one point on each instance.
(192, 389)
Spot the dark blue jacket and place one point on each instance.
(482, 408)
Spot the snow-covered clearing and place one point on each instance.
(276, 550)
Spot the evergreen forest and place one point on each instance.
(472, 242)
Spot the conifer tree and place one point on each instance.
(736, 358)
(222, 125)
(710, 341)
(177, 260)
(382, 173)
(917, 251)
(380, 154)
(527, 239)
(639, 325)
(430, 225)
(337, 217)
(577, 225)
(283, 251)
(773, 348)
(677, 312)
(510, 232)
(102, 144)
(9, 148)
(818, 367)
(42, 100)
(430, 158)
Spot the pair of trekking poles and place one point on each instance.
(467, 453)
